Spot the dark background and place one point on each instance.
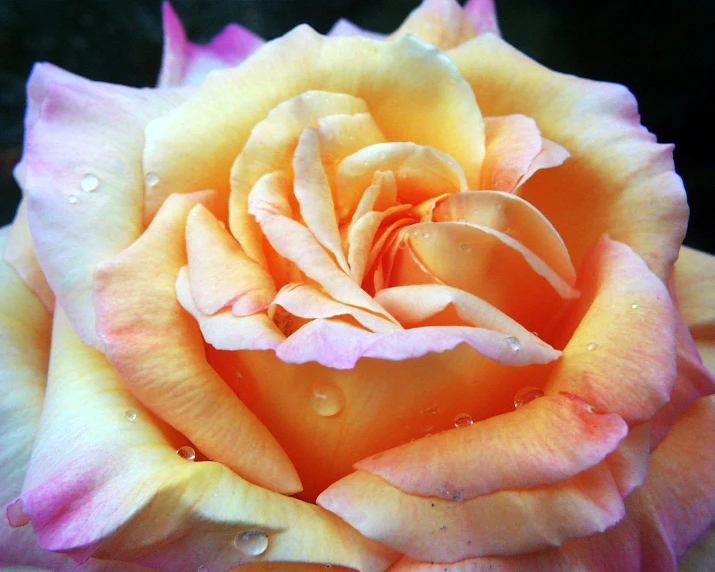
(664, 52)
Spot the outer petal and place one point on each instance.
(442, 23)
(694, 279)
(621, 351)
(186, 63)
(195, 147)
(120, 490)
(617, 178)
(483, 15)
(83, 179)
(159, 353)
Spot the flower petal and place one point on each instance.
(159, 353)
(618, 178)
(442, 23)
(195, 146)
(186, 63)
(119, 490)
(221, 274)
(621, 334)
(82, 175)
(483, 16)
(548, 440)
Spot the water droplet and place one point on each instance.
(513, 343)
(72, 200)
(251, 542)
(463, 420)
(431, 410)
(425, 235)
(186, 452)
(634, 306)
(130, 415)
(89, 183)
(592, 346)
(464, 247)
(202, 568)
(151, 179)
(381, 155)
(527, 394)
(327, 399)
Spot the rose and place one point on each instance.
(104, 479)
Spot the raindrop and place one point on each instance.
(513, 343)
(464, 247)
(202, 568)
(72, 200)
(251, 542)
(527, 394)
(186, 452)
(89, 183)
(592, 346)
(327, 399)
(130, 415)
(151, 179)
(381, 155)
(425, 235)
(463, 420)
(634, 306)
(431, 410)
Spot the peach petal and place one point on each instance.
(314, 196)
(345, 27)
(160, 354)
(309, 302)
(548, 440)
(514, 217)
(629, 462)
(225, 330)
(195, 146)
(619, 178)
(483, 15)
(429, 528)
(340, 345)
(186, 63)
(621, 355)
(20, 254)
(81, 176)
(441, 23)
(270, 147)
(296, 243)
(421, 173)
(551, 155)
(120, 491)
(221, 274)
(512, 144)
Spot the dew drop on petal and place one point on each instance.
(425, 235)
(89, 183)
(527, 394)
(151, 179)
(251, 542)
(592, 346)
(202, 568)
(130, 414)
(634, 306)
(186, 452)
(326, 399)
(513, 343)
(72, 200)
(463, 420)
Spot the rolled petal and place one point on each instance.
(82, 176)
(196, 146)
(121, 491)
(548, 440)
(221, 274)
(621, 350)
(442, 23)
(186, 63)
(504, 523)
(619, 178)
(159, 353)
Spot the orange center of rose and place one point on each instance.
(330, 223)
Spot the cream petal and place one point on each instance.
(442, 23)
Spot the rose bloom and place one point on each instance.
(406, 303)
